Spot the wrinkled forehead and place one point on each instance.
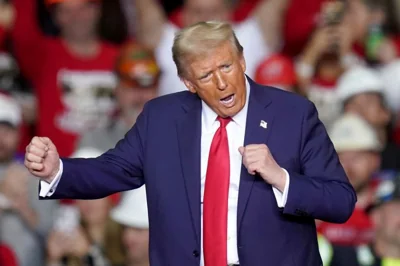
(208, 59)
(368, 96)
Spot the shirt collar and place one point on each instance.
(209, 117)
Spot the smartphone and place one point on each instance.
(332, 13)
(373, 40)
(67, 218)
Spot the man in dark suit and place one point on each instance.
(235, 172)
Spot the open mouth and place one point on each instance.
(228, 100)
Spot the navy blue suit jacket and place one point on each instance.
(163, 151)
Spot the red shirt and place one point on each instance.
(301, 19)
(240, 13)
(49, 65)
(3, 37)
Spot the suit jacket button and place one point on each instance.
(196, 253)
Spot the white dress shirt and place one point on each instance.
(236, 132)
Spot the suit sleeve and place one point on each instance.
(322, 190)
(119, 169)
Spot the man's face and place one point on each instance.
(387, 221)
(132, 100)
(359, 167)
(136, 243)
(9, 139)
(77, 19)
(94, 212)
(204, 10)
(219, 80)
(372, 108)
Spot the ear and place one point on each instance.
(375, 162)
(189, 85)
(242, 63)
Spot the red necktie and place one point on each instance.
(215, 203)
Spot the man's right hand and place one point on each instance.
(42, 158)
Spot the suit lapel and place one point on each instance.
(258, 127)
(189, 139)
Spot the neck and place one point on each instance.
(96, 232)
(83, 48)
(386, 250)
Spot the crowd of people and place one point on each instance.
(80, 72)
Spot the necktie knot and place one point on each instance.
(224, 121)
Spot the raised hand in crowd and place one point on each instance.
(62, 244)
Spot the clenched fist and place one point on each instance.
(257, 158)
(42, 158)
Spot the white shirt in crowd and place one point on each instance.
(248, 33)
(236, 132)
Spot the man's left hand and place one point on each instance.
(257, 158)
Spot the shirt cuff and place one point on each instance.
(48, 189)
(280, 197)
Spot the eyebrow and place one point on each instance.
(205, 74)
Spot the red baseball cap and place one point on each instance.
(137, 66)
(276, 70)
(7, 256)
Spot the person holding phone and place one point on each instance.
(327, 54)
(84, 234)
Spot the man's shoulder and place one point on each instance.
(170, 103)
(283, 99)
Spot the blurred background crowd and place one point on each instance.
(80, 71)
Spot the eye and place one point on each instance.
(226, 66)
(205, 76)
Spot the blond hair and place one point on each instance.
(201, 38)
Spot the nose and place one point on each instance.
(221, 82)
